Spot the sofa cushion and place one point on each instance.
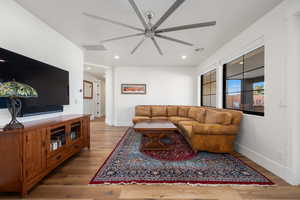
(193, 112)
(160, 118)
(200, 117)
(183, 111)
(176, 120)
(172, 111)
(158, 111)
(188, 123)
(187, 127)
(215, 129)
(143, 111)
(236, 116)
(187, 130)
(197, 113)
(137, 119)
(216, 117)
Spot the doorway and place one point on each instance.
(94, 99)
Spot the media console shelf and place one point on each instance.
(27, 155)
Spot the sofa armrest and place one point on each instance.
(215, 129)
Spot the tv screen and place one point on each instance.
(51, 83)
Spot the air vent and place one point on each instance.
(199, 49)
(99, 47)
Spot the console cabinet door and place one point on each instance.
(34, 153)
(75, 131)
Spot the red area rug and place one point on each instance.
(126, 164)
(179, 149)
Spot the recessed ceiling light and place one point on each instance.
(3, 61)
(88, 68)
(183, 57)
(117, 57)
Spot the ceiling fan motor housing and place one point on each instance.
(149, 33)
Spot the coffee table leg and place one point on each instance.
(155, 142)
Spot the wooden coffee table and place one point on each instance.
(155, 131)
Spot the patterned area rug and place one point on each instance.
(126, 164)
(179, 149)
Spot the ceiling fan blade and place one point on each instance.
(138, 45)
(112, 21)
(121, 37)
(174, 40)
(138, 13)
(168, 13)
(184, 27)
(157, 46)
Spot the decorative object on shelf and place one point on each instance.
(133, 88)
(58, 139)
(87, 89)
(73, 135)
(14, 91)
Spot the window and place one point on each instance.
(208, 89)
(244, 83)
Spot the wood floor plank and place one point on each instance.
(70, 181)
(166, 192)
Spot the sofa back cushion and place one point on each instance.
(143, 111)
(200, 117)
(217, 117)
(197, 113)
(159, 111)
(183, 111)
(193, 112)
(236, 116)
(172, 111)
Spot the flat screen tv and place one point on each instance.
(51, 83)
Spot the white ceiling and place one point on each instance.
(66, 17)
(97, 70)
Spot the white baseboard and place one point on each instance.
(271, 165)
(123, 124)
(108, 122)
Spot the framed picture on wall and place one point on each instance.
(87, 89)
(133, 88)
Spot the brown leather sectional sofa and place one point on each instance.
(206, 129)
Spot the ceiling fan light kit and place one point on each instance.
(152, 31)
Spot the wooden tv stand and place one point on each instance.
(27, 155)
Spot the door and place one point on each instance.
(34, 153)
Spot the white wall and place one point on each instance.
(102, 97)
(267, 140)
(165, 86)
(90, 106)
(109, 96)
(25, 34)
(293, 92)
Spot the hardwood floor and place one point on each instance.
(70, 181)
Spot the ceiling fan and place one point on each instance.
(150, 30)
